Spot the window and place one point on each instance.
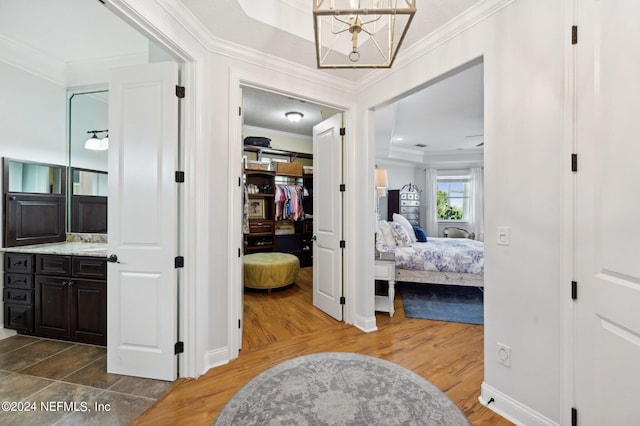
(453, 198)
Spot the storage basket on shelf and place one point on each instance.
(289, 169)
(257, 165)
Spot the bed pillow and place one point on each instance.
(421, 236)
(407, 226)
(400, 234)
(385, 232)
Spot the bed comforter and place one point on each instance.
(440, 254)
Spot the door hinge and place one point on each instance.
(239, 323)
(574, 34)
(240, 111)
(180, 91)
(343, 300)
(343, 187)
(574, 416)
(239, 181)
(179, 176)
(179, 262)
(178, 348)
(574, 290)
(343, 244)
(239, 252)
(574, 162)
(342, 131)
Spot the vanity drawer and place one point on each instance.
(89, 267)
(53, 264)
(18, 262)
(18, 317)
(18, 296)
(18, 280)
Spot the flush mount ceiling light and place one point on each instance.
(360, 33)
(294, 116)
(94, 143)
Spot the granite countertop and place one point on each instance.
(68, 248)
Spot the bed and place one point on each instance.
(453, 261)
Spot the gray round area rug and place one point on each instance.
(339, 388)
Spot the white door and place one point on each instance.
(607, 308)
(143, 153)
(327, 216)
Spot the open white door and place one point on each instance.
(327, 216)
(143, 153)
(607, 319)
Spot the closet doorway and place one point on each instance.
(278, 191)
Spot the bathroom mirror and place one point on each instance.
(35, 178)
(88, 183)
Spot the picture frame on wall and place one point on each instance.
(256, 208)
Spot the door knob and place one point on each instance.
(314, 238)
(113, 259)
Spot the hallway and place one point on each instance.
(285, 324)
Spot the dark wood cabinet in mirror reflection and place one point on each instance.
(34, 202)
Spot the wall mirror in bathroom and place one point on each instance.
(88, 161)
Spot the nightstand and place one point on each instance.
(385, 270)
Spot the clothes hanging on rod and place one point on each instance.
(288, 200)
(245, 210)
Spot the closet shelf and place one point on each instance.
(291, 154)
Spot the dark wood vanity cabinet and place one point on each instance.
(17, 293)
(69, 296)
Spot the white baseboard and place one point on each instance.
(4, 332)
(366, 324)
(511, 409)
(215, 358)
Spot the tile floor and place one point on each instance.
(52, 375)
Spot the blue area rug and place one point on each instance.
(443, 302)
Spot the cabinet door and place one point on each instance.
(52, 306)
(89, 311)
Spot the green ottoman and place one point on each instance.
(270, 270)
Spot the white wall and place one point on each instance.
(32, 117)
(226, 77)
(33, 122)
(523, 59)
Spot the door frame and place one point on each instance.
(241, 78)
(155, 24)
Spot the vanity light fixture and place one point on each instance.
(360, 33)
(95, 143)
(294, 116)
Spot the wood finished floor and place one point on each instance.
(285, 325)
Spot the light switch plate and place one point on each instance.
(503, 235)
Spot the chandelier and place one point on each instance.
(360, 33)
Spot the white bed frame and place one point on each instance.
(436, 277)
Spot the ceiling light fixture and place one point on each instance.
(294, 116)
(94, 143)
(360, 33)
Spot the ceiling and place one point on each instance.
(74, 35)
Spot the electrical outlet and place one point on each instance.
(504, 355)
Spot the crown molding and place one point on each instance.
(461, 23)
(225, 48)
(33, 61)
